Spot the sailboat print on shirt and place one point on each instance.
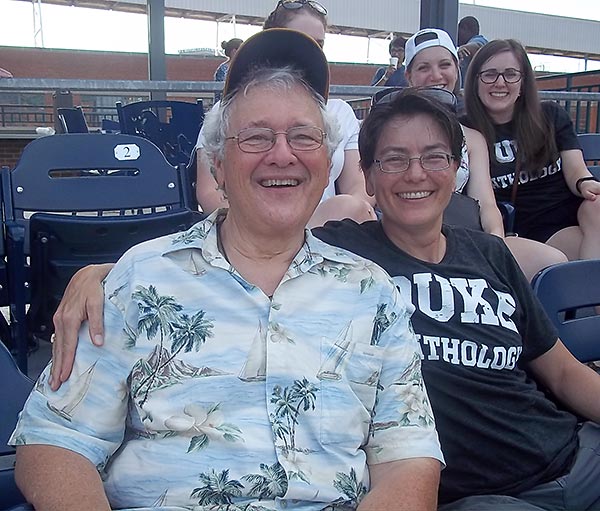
(331, 367)
(255, 367)
(65, 406)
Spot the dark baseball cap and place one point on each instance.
(279, 47)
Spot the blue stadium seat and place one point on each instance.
(172, 125)
(90, 174)
(14, 389)
(570, 293)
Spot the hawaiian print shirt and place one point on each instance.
(209, 395)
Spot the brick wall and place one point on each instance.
(10, 151)
(98, 65)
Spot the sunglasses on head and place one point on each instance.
(298, 4)
(389, 94)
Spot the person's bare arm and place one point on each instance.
(468, 49)
(574, 167)
(572, 383)
(82, 300)
(56, 479)
(351, 180)
(479, 185)
(207, 193)
(407, 485)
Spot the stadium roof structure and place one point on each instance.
(540, 33)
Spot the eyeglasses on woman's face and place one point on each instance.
(433, 162)
(298, 4)
(510, 75)
(260, 140)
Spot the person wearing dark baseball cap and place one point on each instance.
(246, 364)
(345, 195)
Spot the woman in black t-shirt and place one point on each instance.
(557, 199)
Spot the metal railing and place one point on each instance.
(583, 106)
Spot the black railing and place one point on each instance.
(580, 101)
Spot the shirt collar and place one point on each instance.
(196, 247)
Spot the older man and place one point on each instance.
(246, 364)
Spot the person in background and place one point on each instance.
(229, 48)
(393, 74)
(223, 382)
(345, 194)
(432, 61)
(535, 158)
(469, 41)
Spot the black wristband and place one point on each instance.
(581, 180)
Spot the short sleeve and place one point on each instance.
(403, 425)
(378, 75)
(349, 124)
(87, 415)
(564, 131)
(201, 140)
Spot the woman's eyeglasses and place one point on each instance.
(298, 4)
(432, 162)
(389, 94)
(509, 75)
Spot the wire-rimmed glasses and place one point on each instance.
(510, 75)
(433, 162)
(299, 138)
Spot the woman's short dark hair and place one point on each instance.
(409, 102)
(533, 132)
(280, 17)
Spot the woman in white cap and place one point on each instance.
(345, 195)
(432, 61)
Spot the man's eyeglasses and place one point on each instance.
(298, 4)
(260, 140)
(509, 75)
(429, 161)
(389, 94)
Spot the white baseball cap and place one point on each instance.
(427, 38)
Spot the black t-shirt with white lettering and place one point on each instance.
(544, 203)
(478, 324)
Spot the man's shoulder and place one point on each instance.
(478, 39)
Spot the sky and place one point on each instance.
(96, 29)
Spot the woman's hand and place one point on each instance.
(83, 299)
(590, 190)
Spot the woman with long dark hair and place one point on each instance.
(535, 158)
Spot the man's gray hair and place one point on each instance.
(216, 122)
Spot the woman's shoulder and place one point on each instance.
(553, 111)
(472, 136)
(339, 107)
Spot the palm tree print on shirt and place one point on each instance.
(348, 484)
(161, 314)
(217, 490)
(270, 483)
(289, 403)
